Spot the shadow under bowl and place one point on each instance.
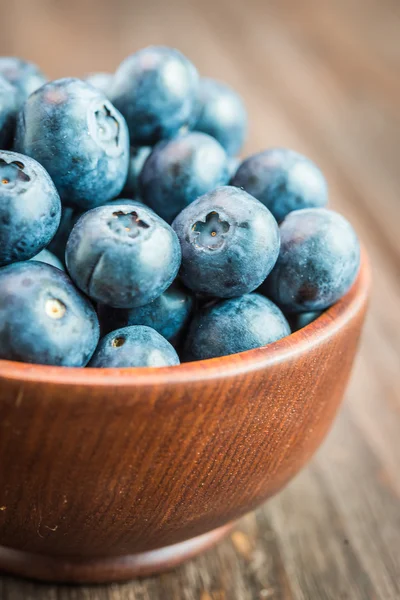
(108, 474)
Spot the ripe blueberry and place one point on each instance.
(234, 325)
(155, 89)
(24, 76)
(318, 261)
(134, 347)
(299, 320)
(283, 180)
(43, 317)
(137, 159)
(122, 255)
(30, 208)
(221, 113)
(180, 170)
(8, 110)
(48, 258)
(229, 241)
(100, 81)
(168, 314)
(79, 137)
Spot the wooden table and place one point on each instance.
(321, 77)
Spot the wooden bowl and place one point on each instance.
(110, 474)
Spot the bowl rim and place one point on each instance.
(326, 325)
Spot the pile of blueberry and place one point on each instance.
(125, 212)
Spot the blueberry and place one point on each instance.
(234, 325)
(318, 261)
(134, 347)
(8, 110)
(155, 89)
(283, 180)
(24, 76)
(80, 138)
(43, 318)
(57, 246)
(69, 217)
(168, 314)
(49, 259)
(221, 113)
(299, 320)
(230, 242)
(30, 208)
(180, 170)
(128, 201)
(123, 255)
(137, 159)
(101, 81)
(233, 164)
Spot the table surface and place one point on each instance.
(321, 77)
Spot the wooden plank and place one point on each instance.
(318, 106)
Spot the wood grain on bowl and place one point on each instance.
(100, 465)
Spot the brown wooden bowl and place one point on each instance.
(107, 474)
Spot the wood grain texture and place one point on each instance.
(321, 77)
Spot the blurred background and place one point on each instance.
(321, 77)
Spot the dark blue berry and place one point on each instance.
(8, 110)
(127, 201)
(155, 89)
(69, 217)
(234, 325)
(299, 320)
(30, 208)
(57, 246)
(49, 259)
(80, 138)
(24, 76)
(283, 180)
(180, 170)
(233, 165)
(123, 255)
(137, 159)
(43, 317)
(221, 113)
(318, 261)
(168, 314)
(134, 347)
(101, 81)
(229, 241)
